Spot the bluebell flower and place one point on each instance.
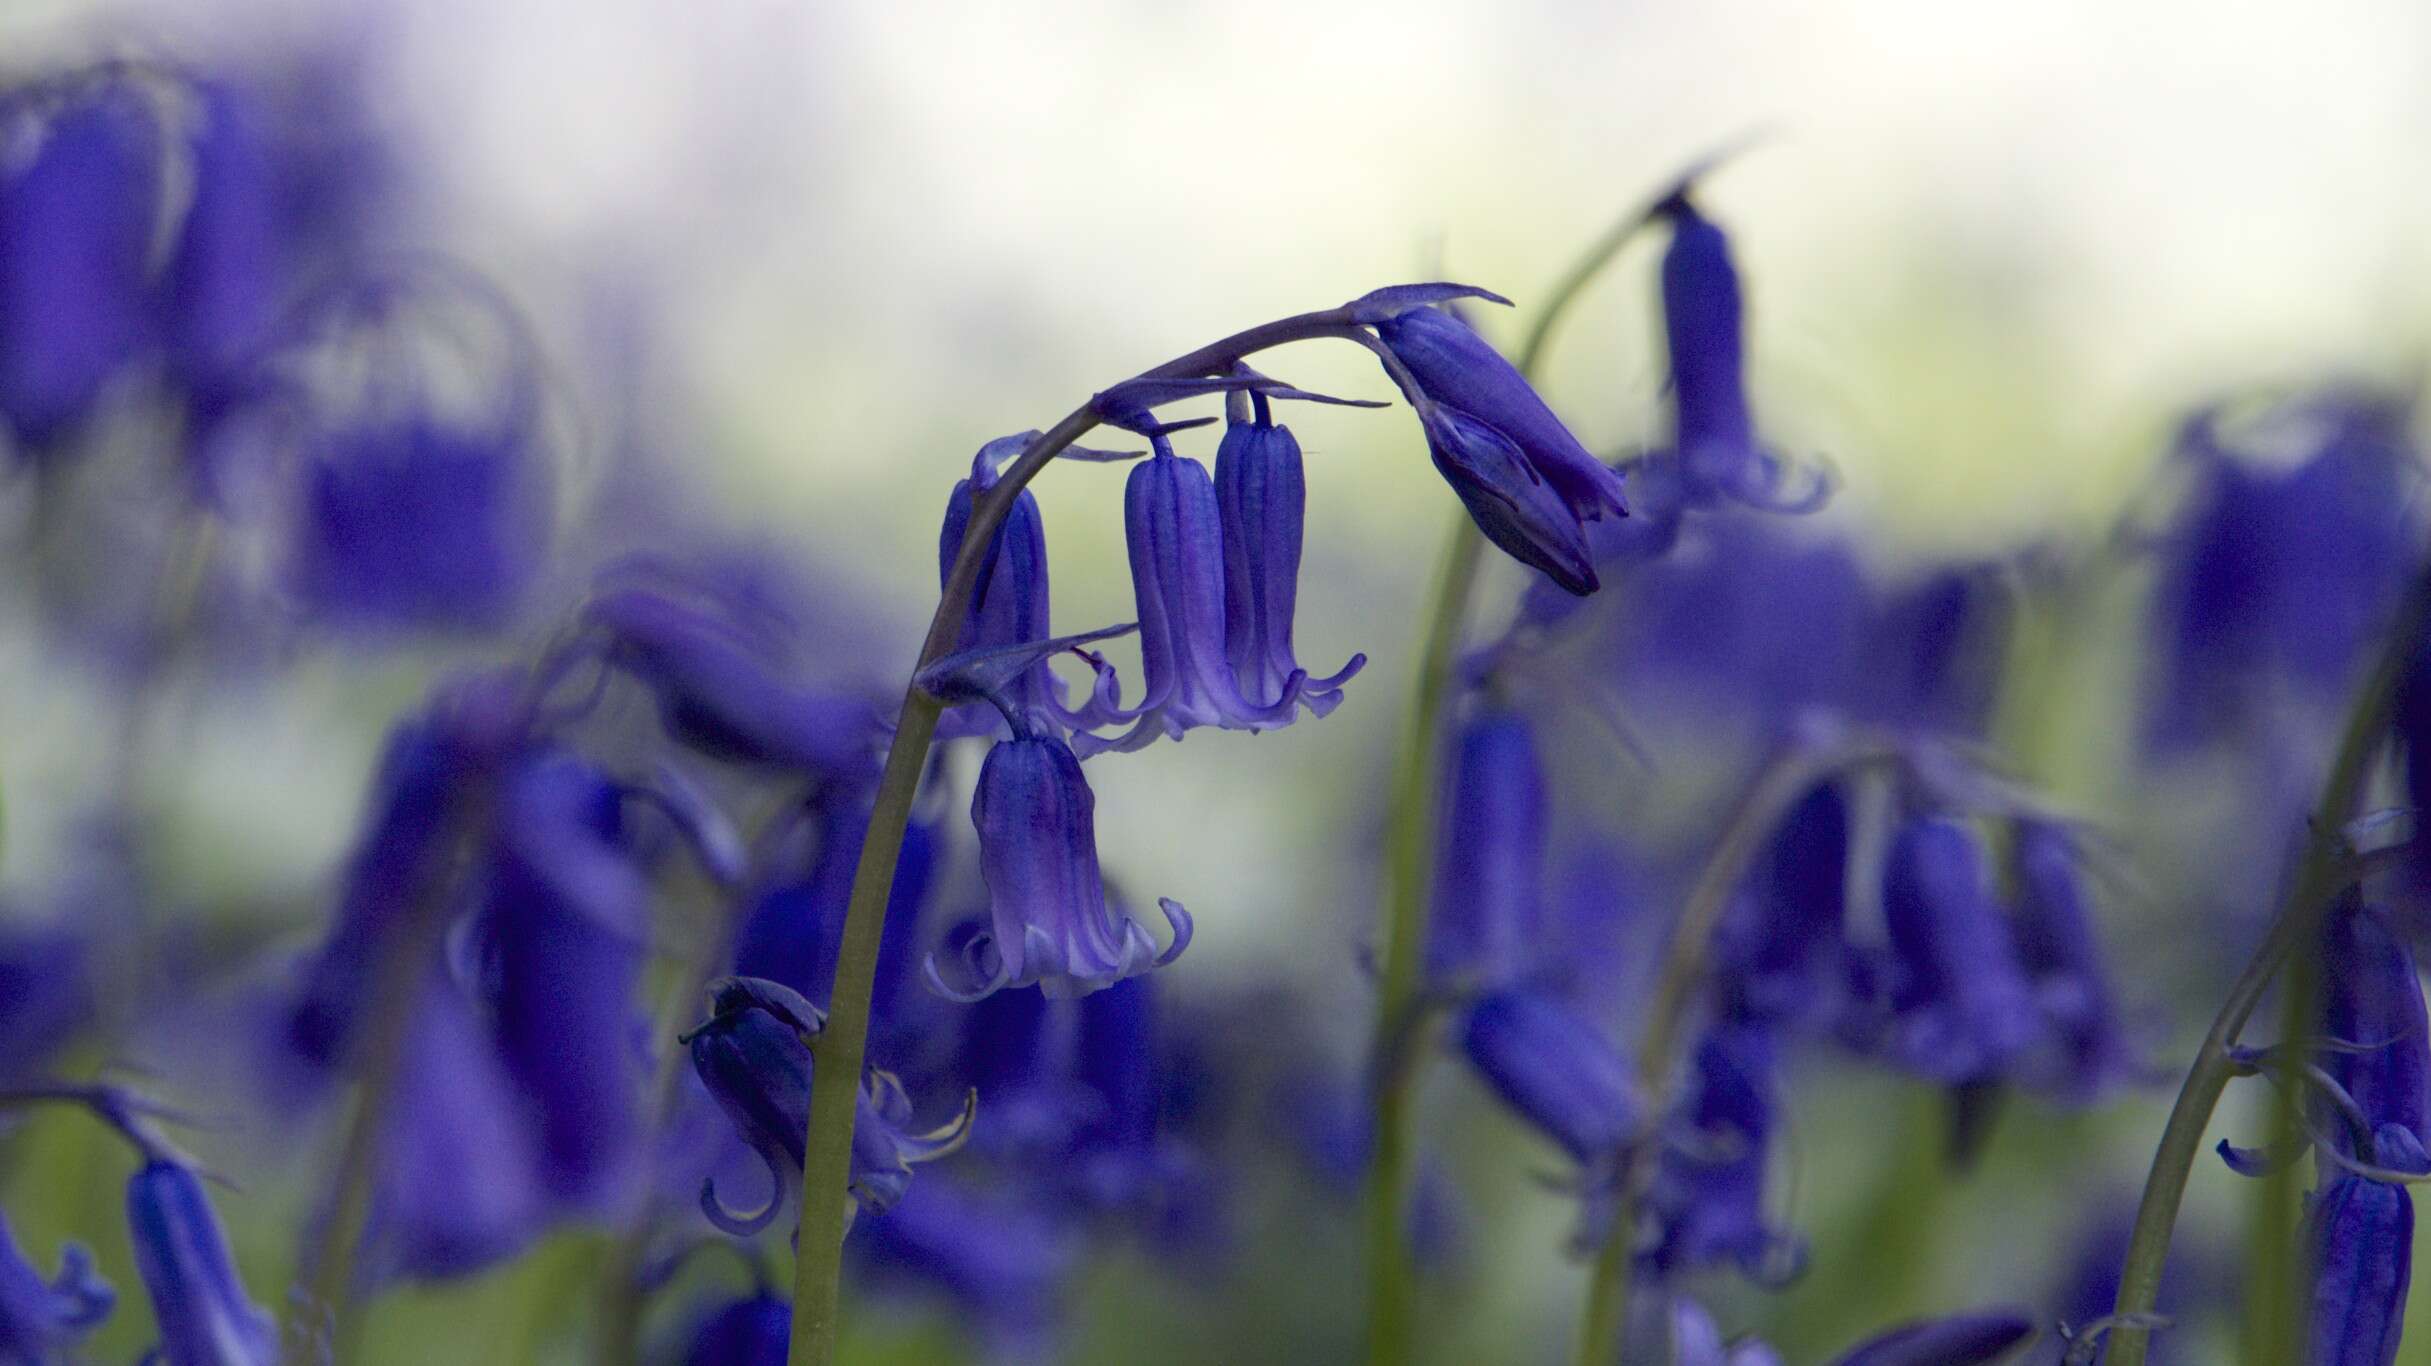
(1456, 368)
(1051, 923)
(754, 1330)
(726, 690)
(1510, 501)
(1261, 499)
(1934, 651)
(2359, 1236)
(753, 1054)
(204, 1314)
(1487, 925)
(46, 991)
(1124, 1159)
(2278, 576)
(1972, 1339)
(792, 931)
(1557, 1071)
(1708, 1198)
(565, 921)
(81, 189)
(1959, 1009)
(1015, 1048)
(2062, 954)
(1781, 955)
(1176, 536)
(43, 1321)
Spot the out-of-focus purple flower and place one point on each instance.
(2372, 998)
(1456, 368)
(1051, 923)
(566, 925)
(1123, 1158)
(46, 993)
(1667, 1326)
(2360, 1234)
(205, 1317)
(81, 185)
(1973, 1339)
(753, 1054)
(1959, 1007)
(724, 689)
(457, 1190)
(1487, 925)
(794, 927)
(1261, 498)
(2279, 574)
(1176, 536)
(2062, 955)
(752, 1331)
(1708, 1196)
(1556, 1070)
(1511, 503)
(1934, 651)
(43, 1321)
(411, 521)
(1330, 1127)
(1782, 955)
(1001, 1260)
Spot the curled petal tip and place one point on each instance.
(1180, 922)
(739, 1225)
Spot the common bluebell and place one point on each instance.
(1051, 925)
(43, 1321)
(1509, 500)
(204, 1314)
(1958, 1006)
(1486, 928)
(1708, 1197)
(1782, 952)
(2062, 954)
(1556, 1070)
(1261, 499)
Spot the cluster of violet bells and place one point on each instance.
(652, 922)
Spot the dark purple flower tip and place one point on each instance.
(80, 193)
(753, 1054)
(182, 1254)
(1173, 523)
(417, 523)
(723, 690)
(1457, 369)
(2360, 1236)
(1050, 924)
(752, 1331)
(1486, 929)
(1261, 498)
(1382, 305)
(1961, 1010)
(1973, 1339)
(1702, 320)
(2062, 954)
(45, 1320)
(1514, 506)
(1553, 1066)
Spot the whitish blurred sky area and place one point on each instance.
(819, 252)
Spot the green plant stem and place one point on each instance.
(1786, 779)
(1402, 1017)
(2319, 878)
(840, 1050)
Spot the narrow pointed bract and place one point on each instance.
(1050, 924)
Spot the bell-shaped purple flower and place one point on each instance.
(1176, 536)
(81, 188)
(725, 690)
(181, 1252)
(2359, 1234)
(1708, 1197)
(566, 924)
(1782, 955)
(1261, 497)
(1555, 1068)
(43, 1321)
(2062, 955)
(1973, 1339)
(2372, 1004)
(752, 1331)
(753, 1055)
(1456, 368)
(1486, 928)
(1959, 1007)
(1050, 921)
(1509, 500)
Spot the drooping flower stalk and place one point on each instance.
(2320, 877)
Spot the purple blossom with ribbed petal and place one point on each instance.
(1176, 536)
(1782, 954)
(2062, 953)
(1511, 503)
(1973, 1339)
(204, 1314)
(1050, 921)
(1487, 925)
(415, 521)
(1458, 369)
(1261, 499)
(725, 689)
(1553, 1067)
(1959, 1007)
(81, 183)
(2359, 1237)
(753, 1054)
(2372, 999)
(43, 1321)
